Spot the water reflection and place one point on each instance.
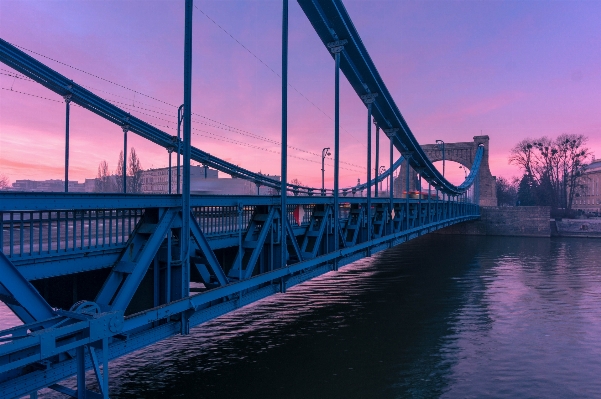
(439, 316)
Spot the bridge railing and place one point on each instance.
(30, 234)
(42, 233)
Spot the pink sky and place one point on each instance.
(506, 69)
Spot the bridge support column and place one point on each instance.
(336, 48)
(390, 187)
(67, 110)
(283, 191)
(377, 169)
(407, 157)
(391, 133)
(187, 120)
(368, 99)
(124, 172)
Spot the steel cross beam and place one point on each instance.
(178, 316)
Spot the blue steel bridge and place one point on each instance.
(93, 277)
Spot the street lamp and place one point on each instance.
(464, 170)
(440, 144)
(382, 170)
(324, 153)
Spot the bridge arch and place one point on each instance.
(464, 154)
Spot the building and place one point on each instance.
(588, 196)
(49, 186)
(203, 181)
(230, 187)
(156, 181)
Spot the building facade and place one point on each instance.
(52, 186)
(156, 181)
(588, 196)
(203, 181)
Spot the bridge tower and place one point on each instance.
(462, 153)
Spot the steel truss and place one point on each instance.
(55, 344)
(170, 262)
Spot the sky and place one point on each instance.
(456, 69)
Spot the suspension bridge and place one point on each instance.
(93, 277)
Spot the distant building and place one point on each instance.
(57, 186)
(156, 181)
(203, 181)
(230, 187)
(588, 196)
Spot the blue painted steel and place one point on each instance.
(169, 151)
(124, 172)
(331, 22)
(391, 186)
(336, 209)
(128, 272)
(185, 215)
(377, 169)
(57, 234)
(369, 182)
(20, 296)
(67, 108)
(207, 252)
(142, 328)
(284, 146)
(27, 65)
(180, 117)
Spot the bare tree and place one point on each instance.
(507, 191)
(574, 164)
(3, 181)
(104, 182)
(119, 173)
(551, 168)
(134, 172)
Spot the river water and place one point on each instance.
(439, 316)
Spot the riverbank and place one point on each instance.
(518, 221)
(525, 221)
(583, 228)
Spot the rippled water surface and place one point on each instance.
(440, 316)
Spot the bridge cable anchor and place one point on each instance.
(337, 46)
(369, 98)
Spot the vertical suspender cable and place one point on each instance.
(67, 101)
(284, 127)
(390, 184)
(336, 209)
(368, 213)
(124, 174)
(377, 157)
(185, 234)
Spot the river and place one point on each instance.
(439, 316)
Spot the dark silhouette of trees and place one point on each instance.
(134, 173)
(119, 173)
(104, 181)
(507, 192)
(551, 169)
(3, 181)
(107, 183)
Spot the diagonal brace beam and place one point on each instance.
(118, 296)
(23, 299)
(208, 253)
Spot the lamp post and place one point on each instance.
(440, 144)
(324, 153)
(382, 170)
(464, 171)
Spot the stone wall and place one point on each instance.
(527, 221)
(577, 228)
